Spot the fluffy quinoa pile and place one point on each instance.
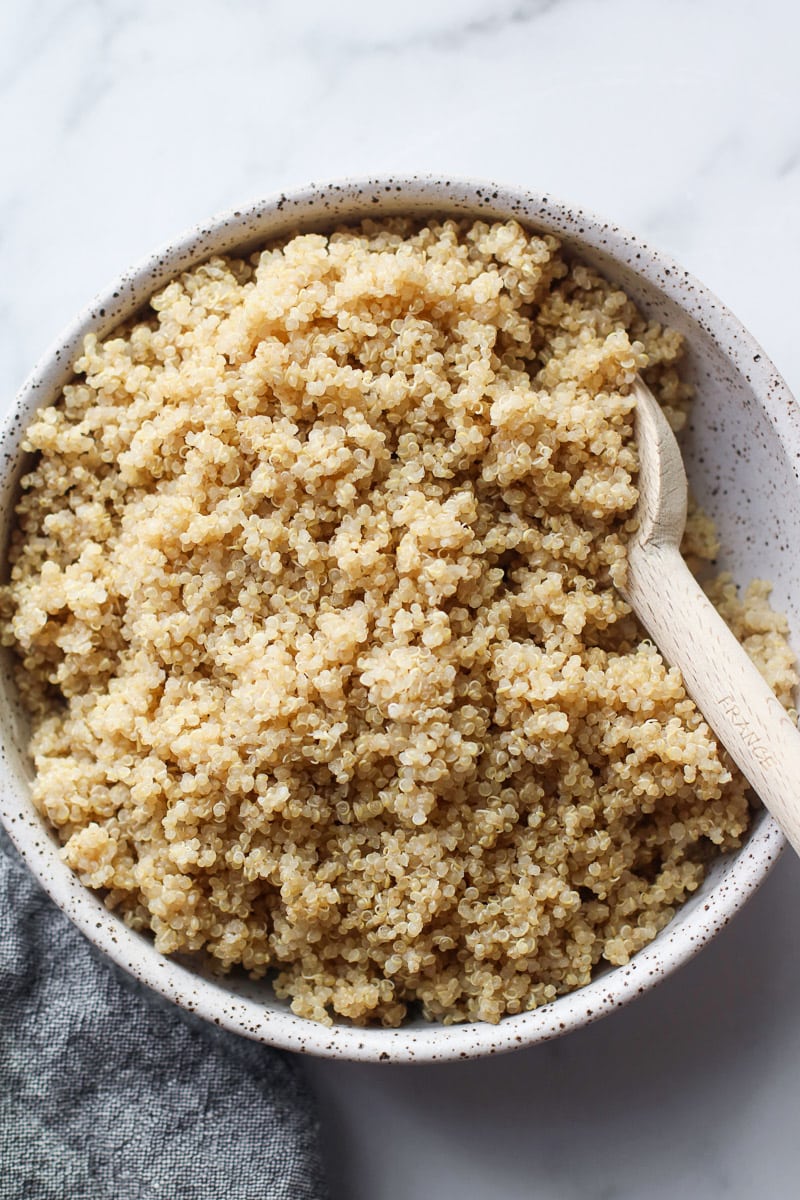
(314, 596)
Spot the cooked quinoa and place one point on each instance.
(314, 592)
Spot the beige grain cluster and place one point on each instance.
(313, 592)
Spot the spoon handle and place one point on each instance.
(727, 688)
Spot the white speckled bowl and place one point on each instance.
(742, 451)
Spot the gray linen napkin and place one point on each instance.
(110, 1093)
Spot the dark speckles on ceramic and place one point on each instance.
(743, 456)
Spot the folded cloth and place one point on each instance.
(109, 1093)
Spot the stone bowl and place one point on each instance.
(742, 450)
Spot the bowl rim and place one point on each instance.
(690, 929)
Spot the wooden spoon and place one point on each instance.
(727, 688)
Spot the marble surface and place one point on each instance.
(122, 121)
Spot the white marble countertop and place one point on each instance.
(123, 121)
